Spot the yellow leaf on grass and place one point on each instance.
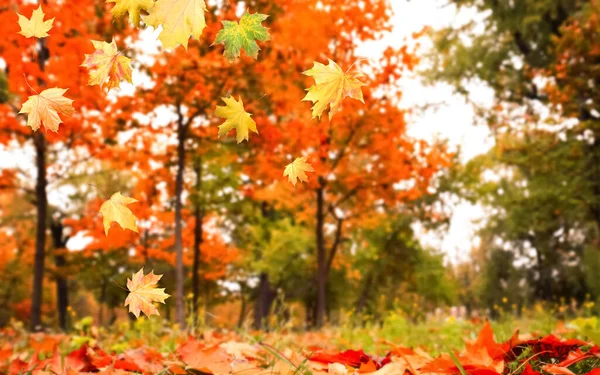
(44, 109)
(143, 293)
(236, 118)
(133, 7)
(332, 85)
(180, 19)
(36, 26)
(107, 65)
(115, 209)
(297, 170)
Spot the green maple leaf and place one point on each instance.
(243, 35)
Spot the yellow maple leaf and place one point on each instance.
(180, 19)
(236, 118)
(332, 85)
(44, 109)
(36, 26)
(143, 293)
(297, 170)
(115, 209)
(107, 65)
(133, 7)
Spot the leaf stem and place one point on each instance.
(356, 62)
(527, 361)
(28, 85)
(114, 282)
(100, 190)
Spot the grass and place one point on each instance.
(434, 335)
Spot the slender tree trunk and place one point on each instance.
(179, 271)
(59, 243)
(263, 303)
(42, 210)
(243, 307)
(364, 295)
(62, 290)
(40, 235)
(145, 247)
(198, 233)
(321, 306)
(102, 303)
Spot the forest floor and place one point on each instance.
(527, 346)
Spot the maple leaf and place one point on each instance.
(44, 109)
(297, 170)
(332, 85)
(36, 26)
(107, 65)
(143, 293)
(115, 209)
(236, 118)
(243, 35)
(133, 7)
(180, 19)
(211, 360)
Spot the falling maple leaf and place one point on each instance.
(243, 35)
(236, 118)
(107, 65)
(115, 209)
(332, 85)
(36, 26)
(143, 293)
(180, 19)
(133, 7)
(297, 170)
(44, 109)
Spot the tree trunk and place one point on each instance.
(242, 316)
(102, 302)
(40, 235)
(262, 306)
(179, 272)
(59, 243)
(42, 209)
(545, 282)
(198, 233)
(364, 295)
(321, 306)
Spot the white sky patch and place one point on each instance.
(447, 117)
(79, 242)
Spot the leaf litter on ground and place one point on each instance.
(228, 354)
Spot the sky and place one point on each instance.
(451, 118)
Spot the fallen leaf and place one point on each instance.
(244, 35)
(557, 370)
(36, 26)
(332, 85)
(297, 170)
(393, 368)
(115, 210)
(180, 19)
(337, 369)
(143, 293)
(236, 118)
(213, 360)
(107, 65)
(45, 108)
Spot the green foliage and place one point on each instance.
(398, 272)
(244, 35)
(496, 47)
